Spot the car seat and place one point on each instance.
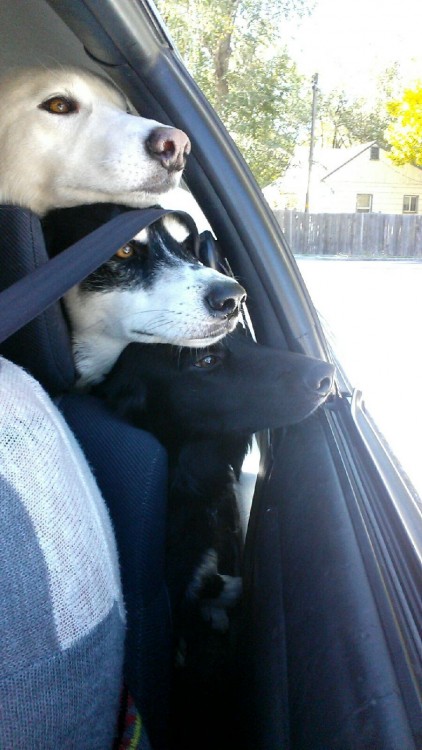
(129, 466)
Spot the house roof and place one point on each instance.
(329, 160)
(351, 153)
(325, 162)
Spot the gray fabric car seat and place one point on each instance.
(129, 466)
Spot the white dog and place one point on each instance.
(67, 138)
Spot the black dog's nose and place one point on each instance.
(320, 378)
(225, 298)
(170, 146)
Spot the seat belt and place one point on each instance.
(31, 295)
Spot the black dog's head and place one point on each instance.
(234, 386)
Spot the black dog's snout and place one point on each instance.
(320, 378)
(169, 146)
(225, 298)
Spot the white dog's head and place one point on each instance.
(67, 138)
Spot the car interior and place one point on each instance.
(328, 652)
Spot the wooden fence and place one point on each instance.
(356, 235)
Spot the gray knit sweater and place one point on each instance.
(61, 610)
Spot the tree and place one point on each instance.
(345, 121)
(234, 50)
(404, 134)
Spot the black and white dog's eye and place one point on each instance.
(127, 251)
(210, 360)
(59, 105)
(132, 248)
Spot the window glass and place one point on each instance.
(327, 111)
(364, 202)
(410, 204)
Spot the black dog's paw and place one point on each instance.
(214, 610)
(215, 592)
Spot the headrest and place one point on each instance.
(43, 346)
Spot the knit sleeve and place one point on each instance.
(61, 610)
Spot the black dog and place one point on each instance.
(203, 405)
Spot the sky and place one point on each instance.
(349, 43)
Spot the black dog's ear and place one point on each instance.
(127, 399)
(124, 390)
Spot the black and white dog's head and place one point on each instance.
(235, 386)
(152, 290)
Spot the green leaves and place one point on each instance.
(234, 50)
(345, 121)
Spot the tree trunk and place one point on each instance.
(222, 57)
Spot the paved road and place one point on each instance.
(374, 312)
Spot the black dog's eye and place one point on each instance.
(210, 360)
(59, 105)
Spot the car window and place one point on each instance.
(324, 102)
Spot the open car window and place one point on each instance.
(347, 199)
(343, 188)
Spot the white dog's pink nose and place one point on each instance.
(170, 146)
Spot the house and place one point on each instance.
(347, 180)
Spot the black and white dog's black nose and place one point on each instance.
(225, 298)
(169, 146)
(320, 378)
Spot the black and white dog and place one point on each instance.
(153, 290)
(204, 405)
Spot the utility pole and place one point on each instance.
(311, 145)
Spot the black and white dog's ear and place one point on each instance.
(208, 252)
(64, 226)
(204, 248)
(191, 245)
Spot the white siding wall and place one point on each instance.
(385, 181)
(382, 179)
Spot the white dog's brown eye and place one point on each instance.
(59, 105)
(127, 251)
